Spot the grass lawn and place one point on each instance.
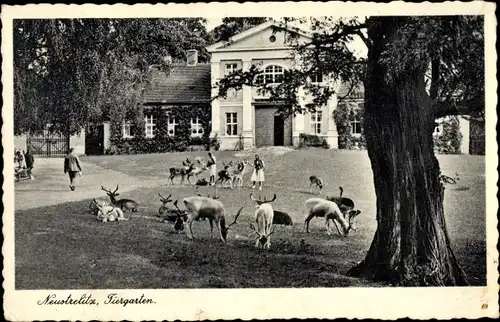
(63, 247)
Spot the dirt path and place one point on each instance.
(52, 185)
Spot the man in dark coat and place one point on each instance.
(72, 167)
(30, 161)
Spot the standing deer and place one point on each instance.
(317, 207)
(264, 216)
(204, 207)
(196, 171)
(182, 172)
(127, 204)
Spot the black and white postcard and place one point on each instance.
(248, 160)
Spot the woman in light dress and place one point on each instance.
(258, 172)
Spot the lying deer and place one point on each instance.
(264, 216)
(108, 213)
(94, 206)
(127, 204)
(317, 207)
(204, 207)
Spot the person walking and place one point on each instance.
(258, 172)
(30, 161)
(212, 167)
(72, 167)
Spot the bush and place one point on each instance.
(343, 115)
(449, 141)
(307, 140)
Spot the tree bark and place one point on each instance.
(411, 246)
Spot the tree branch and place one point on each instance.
(468, 107)
(367, 41)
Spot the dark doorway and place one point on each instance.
(94, 139)
(279, 130)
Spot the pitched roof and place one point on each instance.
(183, 85)
(254, 30)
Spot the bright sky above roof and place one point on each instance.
(357, 46)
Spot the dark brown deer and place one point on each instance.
(123, 204)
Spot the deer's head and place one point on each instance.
(350, 216)
(225, 229)
(260, 201)
(262, 237)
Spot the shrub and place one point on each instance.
(343, 115)
(449, 141)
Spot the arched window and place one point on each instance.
(273, 74)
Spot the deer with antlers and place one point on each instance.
(264, 216)
(317, 207)
(187, 168)
(127, 204)
(197, 170)
(198, 207)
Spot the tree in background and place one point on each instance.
(234, 25)
(71, 72)
(418, 69)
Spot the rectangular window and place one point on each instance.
(231, 123)
(150, 126)
(172, 123)
(231, 68)
(196, 128)
(317, 78)
(316, 119)
(356, 126)
(127, 130)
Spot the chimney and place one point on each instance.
(192, 57)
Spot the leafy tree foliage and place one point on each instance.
(70, 72)
(234, 25)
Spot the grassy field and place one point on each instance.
(63, 247)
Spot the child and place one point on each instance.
(258, 172)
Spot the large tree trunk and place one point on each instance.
(411, 246)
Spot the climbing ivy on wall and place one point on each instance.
(163, 141)
(343, 115)
(449, 140)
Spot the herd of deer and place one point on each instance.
(335, 209)
(232, 173)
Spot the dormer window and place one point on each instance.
(317, 78)
(272, 38)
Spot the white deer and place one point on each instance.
(264, 220)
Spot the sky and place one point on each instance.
(356, 46)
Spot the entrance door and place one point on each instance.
(279, 130)
(94, 140)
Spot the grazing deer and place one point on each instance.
(179, 220)
(108, 213)
(204, 207)
(315, 180)
(317, 207)
(182, 172)
(196, 171)
(127, 204)
(264, 216)
(345, 204)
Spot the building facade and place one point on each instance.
(247, 118)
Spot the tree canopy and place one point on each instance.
(68, 72)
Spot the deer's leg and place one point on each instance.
(189, 222)
(310, 188)
(327, 224)
(306, 222)
(337, 226)
(211, 221)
